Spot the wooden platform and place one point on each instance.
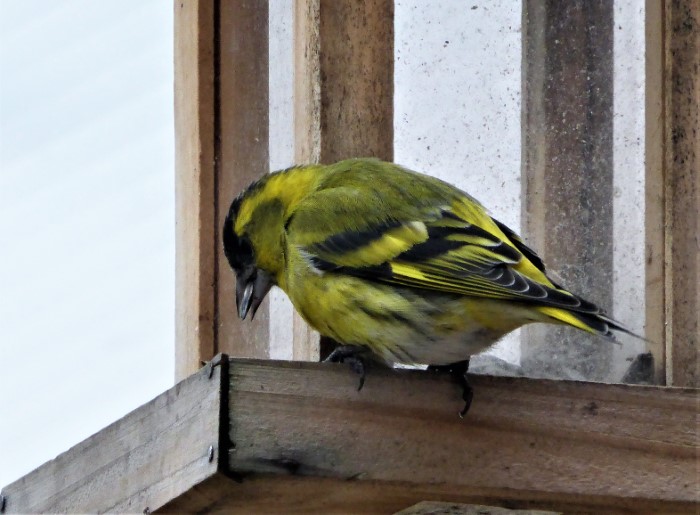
(244, 436)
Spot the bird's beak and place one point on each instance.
(251, 287)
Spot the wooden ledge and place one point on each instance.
(270, 436)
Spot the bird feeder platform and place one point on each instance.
(243, 436)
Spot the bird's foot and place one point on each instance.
(352, 355)
(458, 371)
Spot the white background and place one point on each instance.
(86, 219)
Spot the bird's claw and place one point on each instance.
(352, 355)
(459, 372)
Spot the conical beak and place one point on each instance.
(251, 288)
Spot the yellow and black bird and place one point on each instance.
(393, 263)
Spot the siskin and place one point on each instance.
(392, 264)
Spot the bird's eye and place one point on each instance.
(245, 249)
(238, 249)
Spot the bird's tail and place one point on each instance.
(595, 323)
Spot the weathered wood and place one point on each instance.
(275, 494)
(299, 438)
(221, 122)
(567, 177)
(448, 508)
(307, 131)
(682, 145)
(195, 256)
(654, 187)
(344, 89)
(243, 155)
(152, 455)
(536, 443)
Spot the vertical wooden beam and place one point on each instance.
(654, 187)
(344, 89)
(307, 131)
(568, 182)
(221, 124)
(682, 145)
(194, 185)
(242, 154)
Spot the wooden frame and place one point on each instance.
(671, 199)
(681, 148)
(673, 189)
(221, 113)
(244, 436)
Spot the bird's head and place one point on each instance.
(252, 282)
(255, 232)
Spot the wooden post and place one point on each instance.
(221, 124)
(655, 299)
(568, 181)
(195, 255)
(682, 145)
(344, 58)
(243, 154)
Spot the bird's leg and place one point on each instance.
(352, 355)
(458, 371)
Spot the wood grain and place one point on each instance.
(298, 438)
(343, 95)
(307, 131)
(195, 257)
(445, 508)
(554, 442)
(682, 144)
(654, 187)
(243, 155)
(274, 494)
(155, 453)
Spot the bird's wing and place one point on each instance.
(444, 245)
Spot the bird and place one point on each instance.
(394, 265)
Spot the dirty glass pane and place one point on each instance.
(459, 103)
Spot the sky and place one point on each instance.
(87, 242)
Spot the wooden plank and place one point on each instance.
(654, 187)
(299, 438)
(448, 508)
(528, 443)
(155, 453)
(194, 185)
(344, 89)
(275, 494)
(243, 154)
(567, 176)
(296, 494)
(357, 79)
(307, 131)
(682, 138)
